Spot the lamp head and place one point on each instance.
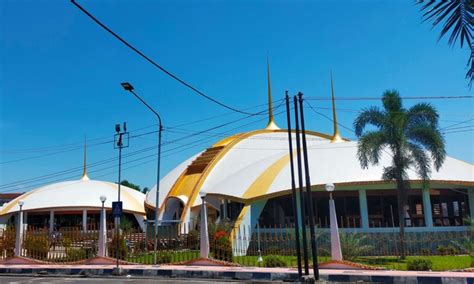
(117, 128)
(20, 203)
(330, 187)
(103, 198)
(127, 86)
(202, 194)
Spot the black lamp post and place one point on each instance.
(128, 87)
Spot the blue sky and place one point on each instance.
(60, 75)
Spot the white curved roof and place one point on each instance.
(167, 182)
(82, 193)
(258, 165)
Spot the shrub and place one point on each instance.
(274, 261)
(163, 258)
(447, 250)
(222, 249)
(419, 264)
(352, 245)
(112, 247)
(425, 251)
(7, 244)
(75, 254)
(36, 246)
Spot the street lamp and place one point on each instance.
(19, 230)
(103, 230)
(336, 253)
(204, 246)
(128, 87)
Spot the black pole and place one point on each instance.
(117, 226)
(309, 197)
(300, 182)
(293, 187)
(157, 199)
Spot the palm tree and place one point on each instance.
(411, 136)
(458, 16)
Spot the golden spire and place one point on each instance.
(84, 172)
(271, 125)
(336, 136)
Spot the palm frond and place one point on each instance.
(422, 113)
(431, 139)
(470, 72)
(421, 161)
(370, 147)
(458, 16)
(391, 101)
(369, 116)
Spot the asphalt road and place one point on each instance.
(45, 280)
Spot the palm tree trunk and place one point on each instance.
(401, 214)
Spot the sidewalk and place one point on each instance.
(242, 273)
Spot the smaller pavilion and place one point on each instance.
(74, 204)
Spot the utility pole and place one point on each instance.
(117, 206)
(301, 189)
(293, 188)
(309, 197)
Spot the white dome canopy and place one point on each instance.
(83, 193)
(255, 165)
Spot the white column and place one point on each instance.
(364, 213)
(51, 222)
(336, 253)
(84, 220)
(19, 234)
(425, 192)
(204, 245)
(102, 233)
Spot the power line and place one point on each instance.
(48, 176)
(378, 98)
(175, 77)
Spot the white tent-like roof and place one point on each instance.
(256, 165)
(83, 193)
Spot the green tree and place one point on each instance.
(458, 19)
(412, 137)
(134, 186)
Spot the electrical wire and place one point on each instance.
(151, 61)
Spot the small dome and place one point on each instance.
(82, 193)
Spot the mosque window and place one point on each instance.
(450, 207)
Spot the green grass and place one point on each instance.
(440, 263)
(290, 260)
(164, 256)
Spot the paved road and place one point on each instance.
(47, 280)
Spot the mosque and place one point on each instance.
(246, 179)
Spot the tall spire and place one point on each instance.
(336, 136)
(84, 172)
(271, 125)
